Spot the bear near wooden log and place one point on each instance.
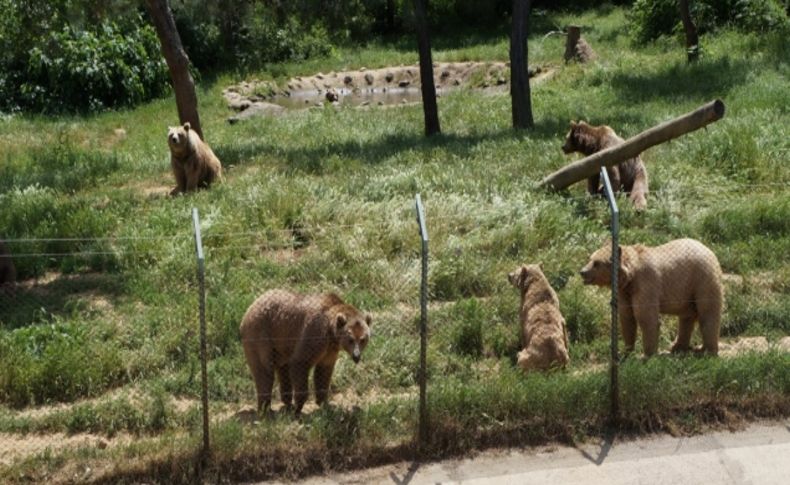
(588, 166)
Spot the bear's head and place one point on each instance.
(178, 139)
(581, 138)
(352, 330)
(526, 275)
(598, 270)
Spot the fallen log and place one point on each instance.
(588, 166)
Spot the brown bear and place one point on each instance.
(544, 335)
(289, 334)
(681, 277)
(7, 271)
(630, 175)
(194, 164)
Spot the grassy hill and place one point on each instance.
(99, 349)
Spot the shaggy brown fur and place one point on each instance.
(289, 334)
(194, 164)
(544, 334)
(7, 271)
(681, 277)
(630, 175)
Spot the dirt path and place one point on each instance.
(757, 454)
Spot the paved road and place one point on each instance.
(759, 454)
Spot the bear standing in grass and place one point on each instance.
(681, 277)
(194, 164)
(289, 334)
(630, 175)
(544, 334)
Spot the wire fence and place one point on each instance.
(308, 333)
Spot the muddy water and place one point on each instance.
(348, 97)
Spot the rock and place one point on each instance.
(318, 105)
(363, 69)
(389, 77)
(291, 87)
(784, 344)
(239, 104)
(120, 133)
(500, 81)
(306, 101)
(381, 103)
(408, 71)
(319, 76)
(332, 96)
(365, 103)
(445, 74)
(457, 82)
(405, 83)
(403, 101)
(257, 110)
(369, 78)
(744, 344)
(348, 80)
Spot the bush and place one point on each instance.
(650, 19)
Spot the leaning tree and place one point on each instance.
(692, 39)
(177, 63)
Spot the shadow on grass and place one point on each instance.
(703, 80)
(58, 295)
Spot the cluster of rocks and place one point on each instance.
(260, 98)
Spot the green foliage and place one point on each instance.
(56, 362)
(54, 64)
(650, 19)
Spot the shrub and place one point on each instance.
(650, 19)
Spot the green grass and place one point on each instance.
(323, 200)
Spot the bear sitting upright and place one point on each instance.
(544, 336)
(194, 164)
(289, 334)
(630, 175)
(681, 277)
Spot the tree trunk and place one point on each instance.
(584, 168)
(177, 63)
(574, 34)
(519, 76)
(426, 70)
(390, 16)
(692, 40)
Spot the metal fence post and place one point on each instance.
(201, 271)
(614, 388)
(422, 377)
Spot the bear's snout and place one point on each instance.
(567, 147)
(586, 275)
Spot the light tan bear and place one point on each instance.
(7, 271)
(289, 334)
(630, 175)
(544, 334)
(681, 277)
(194, 164)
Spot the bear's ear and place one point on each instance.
(574, 124)
(340, 322)
(522, 277)
(187, 126)
(369, 320)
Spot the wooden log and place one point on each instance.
(588, 166)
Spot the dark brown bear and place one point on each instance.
(630, 175)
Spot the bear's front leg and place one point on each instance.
(322, 377)
(299, 377)
(682, 342)
(648, 320)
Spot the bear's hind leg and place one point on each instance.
(685, 329)
(322, 377)
(263, 375)
(286, 391)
